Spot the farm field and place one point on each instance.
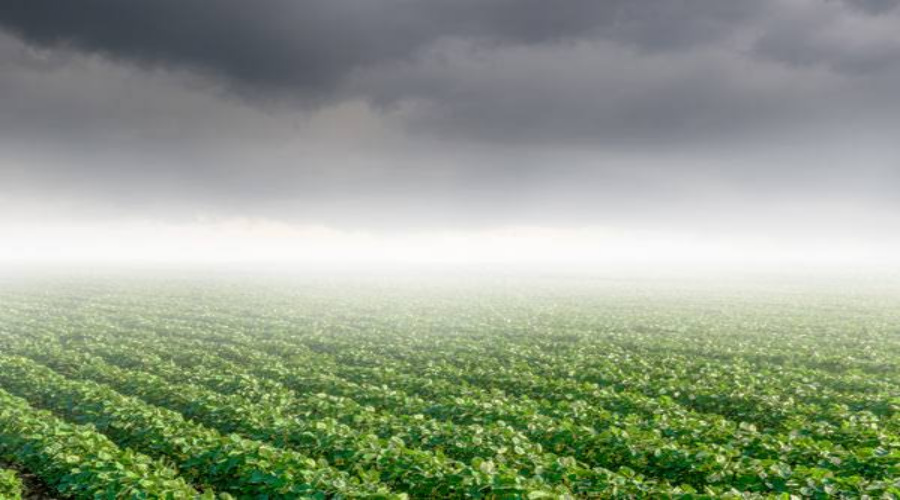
(183, 386)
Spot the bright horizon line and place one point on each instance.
(264, 241)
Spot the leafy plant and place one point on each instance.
(10, 485)
(78, 461)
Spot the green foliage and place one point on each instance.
(320, 393)
(233, 464)
(10, 485)
(78, 461)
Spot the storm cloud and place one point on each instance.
(311, 47)
(453, 112)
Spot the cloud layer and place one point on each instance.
(310, 48)
(447, 113)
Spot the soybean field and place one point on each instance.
(175, 387)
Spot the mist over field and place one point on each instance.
(463, 249)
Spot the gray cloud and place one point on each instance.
(874, 6)
(454, 112)
(854, 38)
(609, 71)
(303, 48)
(308, 48)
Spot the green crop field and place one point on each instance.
(176, 387)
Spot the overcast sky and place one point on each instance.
(700, 116)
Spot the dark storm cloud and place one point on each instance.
(466, 110)
(309, 47)
(577, 69)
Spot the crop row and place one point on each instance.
(741, 391)
(740, 394)
(738, 400)
(444, 382)
(629, 442)
(562, 393)
(856, 429)
(522, 383)
(356, 447)
(11, 487)
(78, 461)
(228, 463)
